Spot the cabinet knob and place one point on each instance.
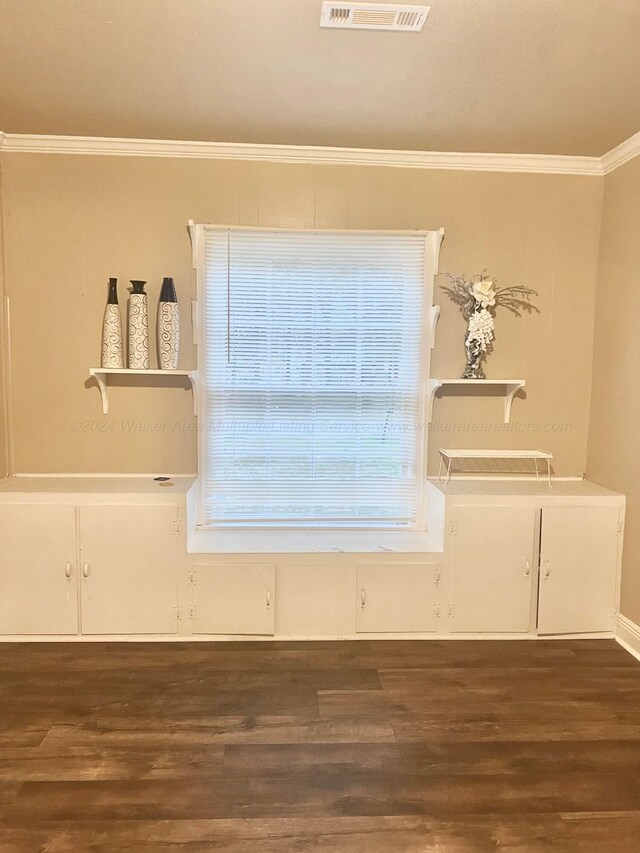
(67, 571)
(547, 569)
(527, 568)
(85, 570)
(363, 597)
(268, 598)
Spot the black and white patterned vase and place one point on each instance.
(112, 346)
(168, 326)
(138, 327)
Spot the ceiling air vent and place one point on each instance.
(373, 16)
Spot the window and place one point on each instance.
(313, 356)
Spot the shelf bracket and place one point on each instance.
(511, 391)
(195, 242)
(433, 322)
(101, 379)
(434, 386)
(193, 378)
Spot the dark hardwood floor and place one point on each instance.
(375, 747)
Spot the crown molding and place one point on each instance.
(553, 164)
(621, 154)
(532, 163)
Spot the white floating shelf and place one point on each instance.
(511, 388)
(101, 375)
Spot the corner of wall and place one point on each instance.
(594, 328)
(5, 433)
(612, 455)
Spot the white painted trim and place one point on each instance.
(621, 154)
(93, 475)
(99, 475)
(475, 162)
(628, 635)
(559, 164)
(203, 539)
(284, 638)
(528, 478)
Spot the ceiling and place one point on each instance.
(512, 76)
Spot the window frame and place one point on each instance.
(432, 243)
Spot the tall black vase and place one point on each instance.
(168, 326)
(112, 347)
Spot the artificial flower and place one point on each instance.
(484, 292)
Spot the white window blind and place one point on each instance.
(312, 383)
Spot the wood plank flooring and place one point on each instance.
(369, 746)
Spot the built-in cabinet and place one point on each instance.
(493, 552)
(579, 549)
(515, 561)
(232, 599)
(398, 597)
(517, 569)
(128, 569)
(38, 577)
(98, 569)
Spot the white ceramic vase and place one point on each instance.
(138, 327)
(112, 346)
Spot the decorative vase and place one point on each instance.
(478, 299)
(168, 326)
(478, 337)
(473, 367)
(112, 348)
(138, 327)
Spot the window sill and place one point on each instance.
(309, 540)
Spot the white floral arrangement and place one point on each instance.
(478, 298)
(480, 328)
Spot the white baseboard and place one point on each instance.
(628, 635)
(287, 638)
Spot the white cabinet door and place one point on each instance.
(129, 569)
(578, 569)
(397, 597)
(233, 599)
(38, 566)
(492, 568)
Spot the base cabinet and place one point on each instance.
(493, 550)
(515, 569)
(578, 569)
(398, 597)
(233, 599)
(68, 569)
(517, 560)
(38, 583)
(129, 570)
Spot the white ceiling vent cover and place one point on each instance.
(373, 16)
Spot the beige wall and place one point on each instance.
(4, 433)
(614, 434)
(71, 221)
